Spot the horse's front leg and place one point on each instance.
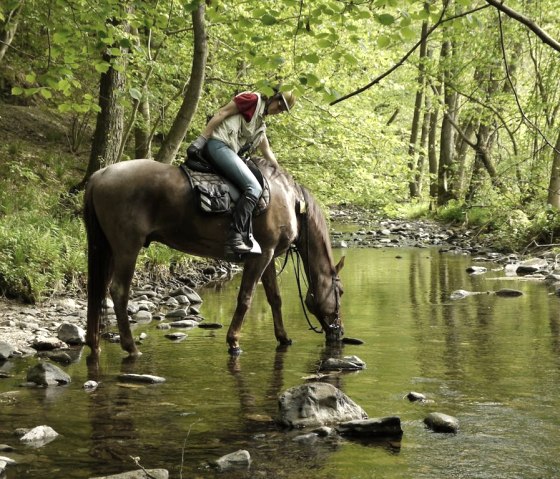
(252, 271)
(120, 288)
(273, 296)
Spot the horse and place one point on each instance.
(130, 204)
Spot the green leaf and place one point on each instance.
(268, 19)
(46, 93)
(311, 58)
(30, 78)
(383, 41)
(385, 19)
(135, 93)
(16, 91)
(102, 67)
(408, 33)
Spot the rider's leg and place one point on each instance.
(235, 169)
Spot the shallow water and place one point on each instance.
(494, 363)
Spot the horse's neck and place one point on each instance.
(317, 260)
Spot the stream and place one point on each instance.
(492, 362)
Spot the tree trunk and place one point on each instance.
(447, 137)
(554, 185)
(109, 126)
(462, 149)
(423, 145)
(178, 130)
(8, 29)
(142, 137)
(412, 145)
(432, 154)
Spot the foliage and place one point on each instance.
(355, 151)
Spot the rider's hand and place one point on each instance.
(195, 148)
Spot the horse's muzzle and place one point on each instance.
(334, 334)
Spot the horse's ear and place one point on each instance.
(340, 264)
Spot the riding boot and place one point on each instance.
(238, 237)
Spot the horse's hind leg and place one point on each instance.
(273, 296)
(120, 288)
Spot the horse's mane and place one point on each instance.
(317, 221)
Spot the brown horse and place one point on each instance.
(130, 204)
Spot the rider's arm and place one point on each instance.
(267, 152)
(223, 113)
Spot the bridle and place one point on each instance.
(297, 263)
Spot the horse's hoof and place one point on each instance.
(134, 354)
(285, 342)
(235, 351)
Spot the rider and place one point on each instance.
(237, 126)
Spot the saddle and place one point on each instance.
(217, 195)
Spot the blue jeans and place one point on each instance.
(234, 168)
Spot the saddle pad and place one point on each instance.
(213, 181)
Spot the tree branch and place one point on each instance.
(510, 12)
(506, 67)
(410, 52)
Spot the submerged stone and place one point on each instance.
(439, 422)
(372, 428)
(508, 293)
(236, 460)
(142, 378)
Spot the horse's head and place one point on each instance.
(324, 304)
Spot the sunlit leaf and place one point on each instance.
(385, 19)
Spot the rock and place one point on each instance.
(141, 378)
(210, 325)
(48, 344)
(476, 270)
(47, 374)
(176, 336)
(6, 448)
(413, 396)
(190, 293)
(39, 436)
(61, 357)
(6, 350)
(142, 316)
(139, 474)
(71, 334)
(352, 341)
(309, 438)
(7, 460)
(531, 266)
(182, 299)
(348, 363)
(372, 428)
(316, 404)
(177, 314)
(90, 385)
(460, 294)
(184, 323)
(439, 422)
(508, 293)
(236, 460)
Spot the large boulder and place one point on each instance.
(316, 404)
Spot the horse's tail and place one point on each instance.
(99, 269)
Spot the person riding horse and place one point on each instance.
(238, 126)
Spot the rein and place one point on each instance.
(297, 271)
